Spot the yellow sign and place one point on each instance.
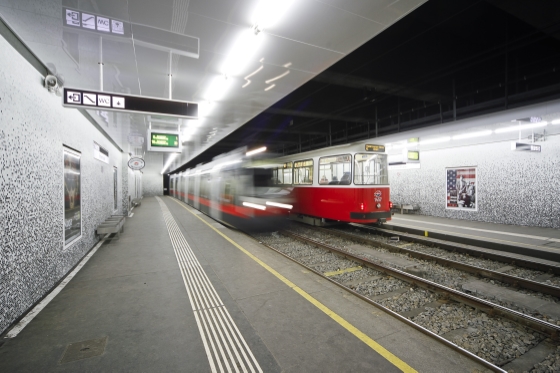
(375, 148)
(413, 155)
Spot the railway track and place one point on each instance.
(406, 286)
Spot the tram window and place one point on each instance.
(370, 169)
(335, 169)
(283, 175)
(303, 172)
(263, 177)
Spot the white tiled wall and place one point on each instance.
(34, 127)
(519, 188)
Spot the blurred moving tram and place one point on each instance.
(235, 189)
(340, 184)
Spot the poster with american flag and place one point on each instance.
(461, 188)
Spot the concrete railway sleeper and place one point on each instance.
(418, 302)
(548, 269)
(540, 303)
(535, 304)
(515, 281)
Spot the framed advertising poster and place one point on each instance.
(72, 196)
(461, 189)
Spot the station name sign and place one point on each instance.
(118, 102)
(375, 148)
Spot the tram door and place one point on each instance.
(196, 203)
(215, 189)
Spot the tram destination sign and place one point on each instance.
(375, 148)
(78, 98)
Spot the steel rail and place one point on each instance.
(550, 330)
(396, 315)
(508, 279)
(467, 249)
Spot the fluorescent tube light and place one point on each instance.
(269, 12)
(472, 134)
(241, 53)
(521, 127)
(169, 161)
(256, 151)
(556, 121)
(217, 89)
(435, 141)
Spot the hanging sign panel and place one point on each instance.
(119, 30)
(127, 103)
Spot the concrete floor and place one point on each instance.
(131, 297)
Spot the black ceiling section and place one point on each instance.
(445, 61)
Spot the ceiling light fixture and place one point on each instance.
(435, 141)
(217, 88)
(521, 127)
(555, 121)
(242, 51)
(170, 160)
(472, 135)
(270, 87)
(256, 151)
(269, 12)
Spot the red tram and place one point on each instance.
(235, 189)
(347, 183)
(341, 184)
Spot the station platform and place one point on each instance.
(180, 292)
(532, 242)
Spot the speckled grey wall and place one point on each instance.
(519, 188)
(152, 180)
(33, 129)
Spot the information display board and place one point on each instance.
(164, 141)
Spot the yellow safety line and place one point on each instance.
(345, 324)
(341, 271)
